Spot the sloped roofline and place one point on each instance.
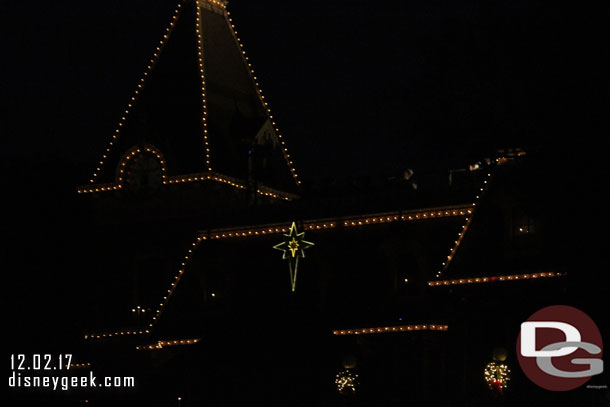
(321, 224)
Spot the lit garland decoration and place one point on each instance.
(136, 93)
(390, 329)
(493, 279)
(293, 247)
(346, 382)
(497, 375)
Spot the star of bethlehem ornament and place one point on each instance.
(293, 248)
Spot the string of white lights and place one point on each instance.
(246, 60)
(317, 224)
(391, 329)
(494, 279)
(136, 93)
(465, 227)
(204, 105)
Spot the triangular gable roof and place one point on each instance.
(465, 211)
(199, 107)
(470, 268)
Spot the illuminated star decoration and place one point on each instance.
(293, 247)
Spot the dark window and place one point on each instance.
(524, 225)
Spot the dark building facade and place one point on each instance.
(222, 279)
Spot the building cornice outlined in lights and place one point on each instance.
(323, 224)
(391, 329)
(189, 178)
(411, 215)
(495, 279)
(167, 343)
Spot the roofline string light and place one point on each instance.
(245, 58)
(121, 170)
(494, 279)
(392, 329)
(204, 104)
(498, 161)
(159, 310)
(218, 6)
(465, 227)
(196, 177)
(136, 93)
(277, 228)
(321, 224)
(107, 335)
(330, 223)
(187, 257)
(409, 215)
(79, 365)
(162, 344)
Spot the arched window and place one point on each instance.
(144, 174)
(142, 170)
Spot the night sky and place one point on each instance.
(357, 87)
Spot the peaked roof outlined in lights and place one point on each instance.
(199, 111)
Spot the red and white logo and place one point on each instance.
(560, 348)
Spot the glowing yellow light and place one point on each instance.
(297, 246)
(497, 375)
(387, 329)
(346, 382)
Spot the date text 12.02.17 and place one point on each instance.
(40, 362)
